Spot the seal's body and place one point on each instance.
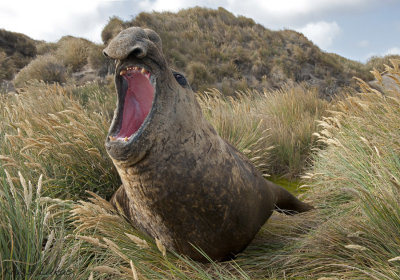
(181, 182)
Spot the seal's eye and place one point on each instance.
(180, 79)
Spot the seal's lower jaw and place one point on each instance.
(136, 94)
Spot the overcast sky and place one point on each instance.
(356, 29)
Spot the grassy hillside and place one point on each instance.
(214, 48)
(70, 60)
(217, 49)
(16, 51)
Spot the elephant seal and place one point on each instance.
(181, 182)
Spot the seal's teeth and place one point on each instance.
(112, 138)
(135, 69)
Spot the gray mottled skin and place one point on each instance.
(181, 182)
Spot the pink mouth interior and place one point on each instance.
(137, 104)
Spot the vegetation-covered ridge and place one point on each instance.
(214, 48)
(217, 49)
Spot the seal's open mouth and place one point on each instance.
(135, 98)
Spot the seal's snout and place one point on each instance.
(133, 41)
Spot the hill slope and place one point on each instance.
(214, 48)
(217, 49)
(16, 51)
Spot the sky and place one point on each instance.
(355, 29)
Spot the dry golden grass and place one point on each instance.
(73, 52)
(236, 122)
(44, 131)
(274, 129)
(355, 185)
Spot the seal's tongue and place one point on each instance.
(137, 104)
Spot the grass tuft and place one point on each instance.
(33, 234)
(45, 68)
(45, 131)
(273, 129)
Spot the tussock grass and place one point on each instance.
(33, 243)
(355, 184)
(73, 52)
(379, 62)
(274, 128)
(68, 60)
(7, 67)
(45, 131)
(236, 122)
(15, 53)
(45, 68)
(290, 114)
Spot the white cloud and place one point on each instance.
(321, 33)
(292, 7)
(49, 20)
(171, 5)
(394, 50)
(292, 13)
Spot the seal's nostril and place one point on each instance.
(105, 54)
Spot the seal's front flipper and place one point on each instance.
(287, 203)
(120, 201)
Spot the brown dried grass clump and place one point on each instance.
(73, 52)
(45, 68)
